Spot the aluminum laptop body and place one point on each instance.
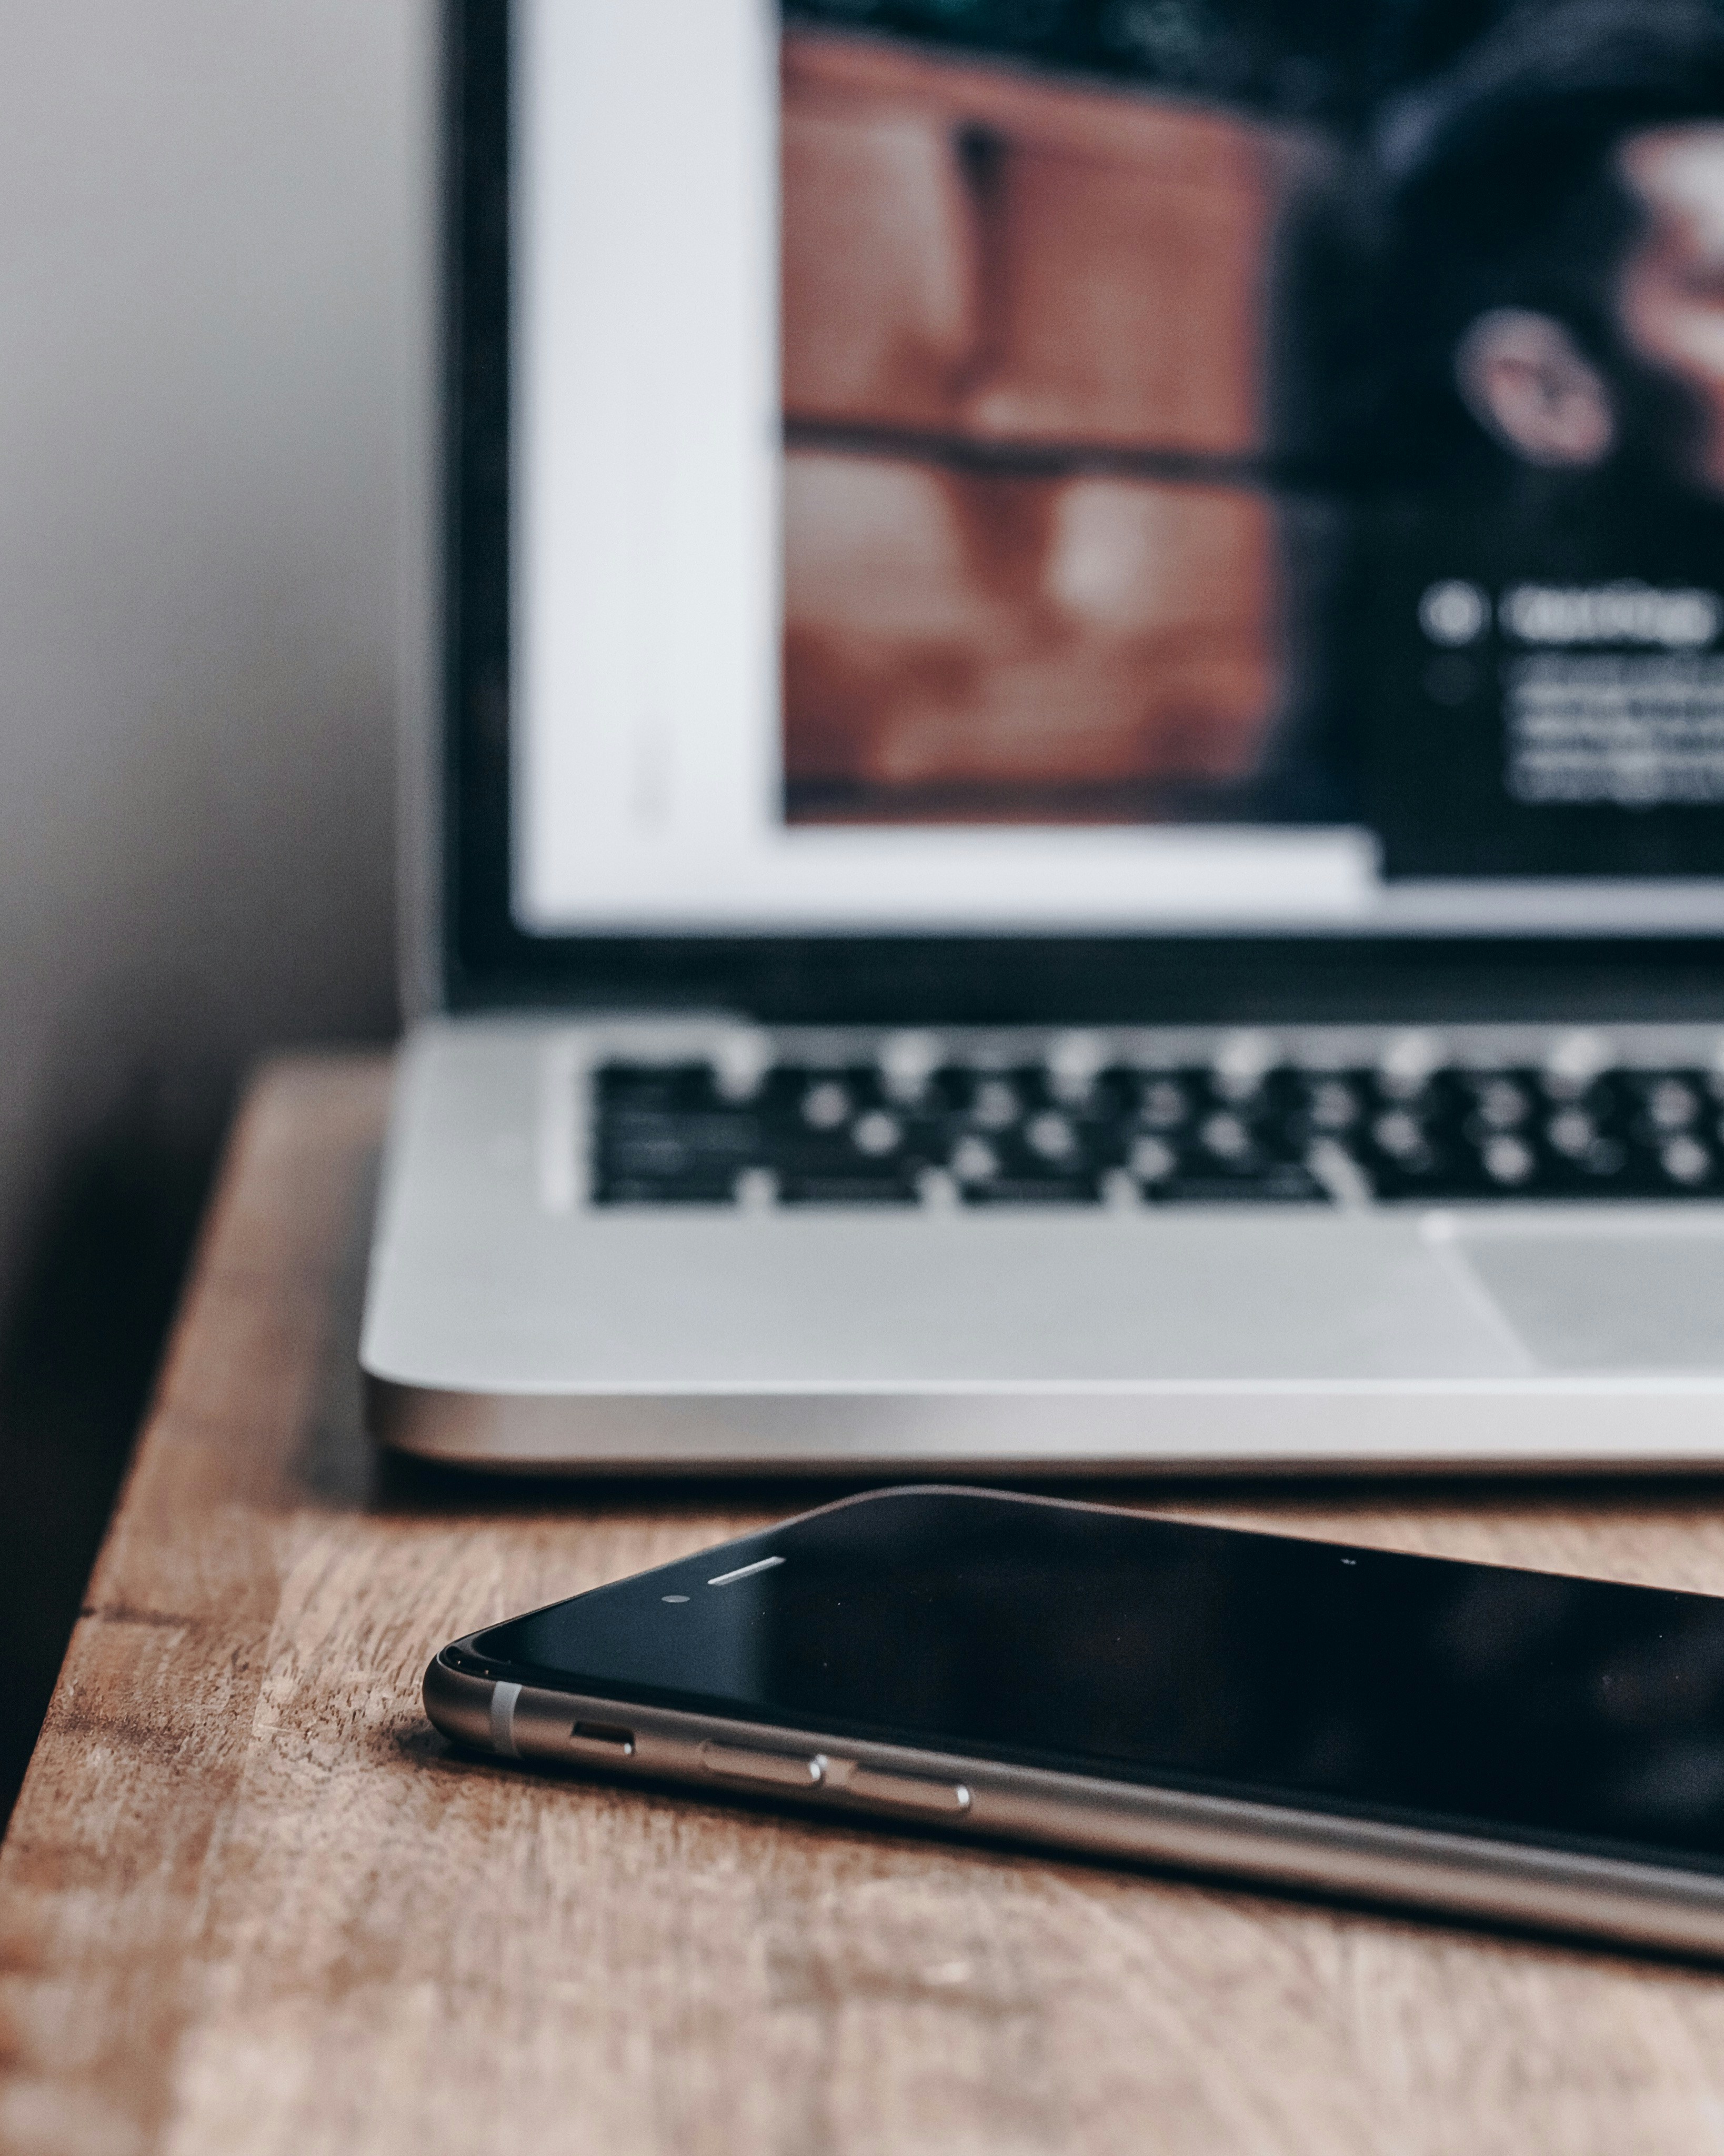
(1077, 817)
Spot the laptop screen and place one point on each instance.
(1118, 465)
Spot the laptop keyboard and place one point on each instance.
(916, 1132)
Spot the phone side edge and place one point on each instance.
(1560, 1892)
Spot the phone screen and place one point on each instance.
(1528, 1706)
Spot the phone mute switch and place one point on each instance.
(778, 1770)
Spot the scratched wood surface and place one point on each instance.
(249, 1903)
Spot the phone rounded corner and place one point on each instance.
(457, 1703)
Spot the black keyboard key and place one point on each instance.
(893, 1189)
(1284, 1184)
(1033, 1190)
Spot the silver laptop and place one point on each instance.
(1079, 822)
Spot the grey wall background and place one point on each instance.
(213, 223)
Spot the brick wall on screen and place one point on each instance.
(1031, 565)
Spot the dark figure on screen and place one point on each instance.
(1545, 552)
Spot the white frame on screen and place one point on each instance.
(645, 480)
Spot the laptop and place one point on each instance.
(1078, 819)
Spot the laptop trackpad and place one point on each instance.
(1634, 1298)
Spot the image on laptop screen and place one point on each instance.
(1119, 464)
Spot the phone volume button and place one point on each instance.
(875, 1785)
(778, 1770)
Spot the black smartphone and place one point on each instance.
(1518, 1747)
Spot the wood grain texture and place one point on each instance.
(249, 1903)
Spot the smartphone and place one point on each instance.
(1520, 1747)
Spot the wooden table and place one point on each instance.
(248, 1902)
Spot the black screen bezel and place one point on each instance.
(488, 962)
